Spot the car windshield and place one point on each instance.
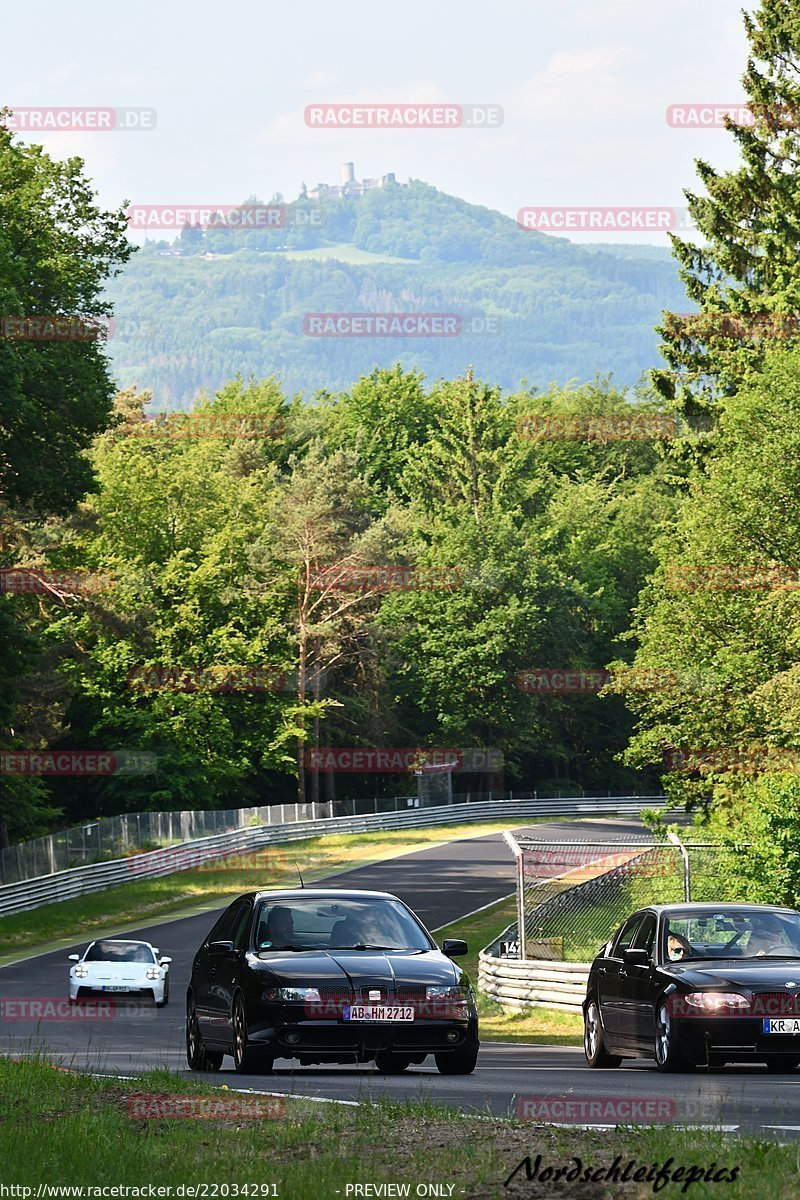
(122, 952)
(746, 933)
(331, 923)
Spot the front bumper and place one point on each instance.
(289, 1032)
(154, 992)
(731, 1039)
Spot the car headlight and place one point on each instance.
(153, 973)
(437, 991)
(291, 993)
(80, 972)
(717, 1002)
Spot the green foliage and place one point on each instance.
(746, 260)
(760, 831)
(56, 250)
(719, 623)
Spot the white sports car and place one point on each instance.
(112, 965)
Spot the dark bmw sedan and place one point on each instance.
(328, 977)
(697, 984)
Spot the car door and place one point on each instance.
(211, 1017)
(635, 987)
(226, 968)
(608, 981)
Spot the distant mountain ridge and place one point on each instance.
(221, 301)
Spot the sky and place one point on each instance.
(584, 86)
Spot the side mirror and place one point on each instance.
(221, 949)
(162, 962)
(74, 958)
(454, 947)
(636, 958)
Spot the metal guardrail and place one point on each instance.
(80, 881)
(110, 838)
(518, 984)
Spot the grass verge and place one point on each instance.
(538, 1025)
(59, 1129)
(144, 900)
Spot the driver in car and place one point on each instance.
(765, 938)
(280, 929)
(678, 948)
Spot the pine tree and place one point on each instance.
(750, 222)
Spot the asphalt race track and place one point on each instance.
(441, 884)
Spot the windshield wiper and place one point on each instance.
(365, 946)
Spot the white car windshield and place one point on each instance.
(121, 952)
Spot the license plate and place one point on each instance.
(114, 988)
(781, 1025)
(378, 1012)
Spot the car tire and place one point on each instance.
(594, 1047)
(163, 1003)
(667, 1054)
(457, 1062)
(783, 1063)
(197, 1056)
(389, 1063)
(247, 1060)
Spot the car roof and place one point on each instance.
(121, 941)
(705, 905)
(319, 894)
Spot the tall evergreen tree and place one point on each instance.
(750, 223)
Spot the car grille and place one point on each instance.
(776, 1004)
(410, 995)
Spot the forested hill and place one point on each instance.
(223, 301)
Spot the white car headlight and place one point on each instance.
(291, 993)
(153, 973)
(80, 972)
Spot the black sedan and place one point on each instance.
(697, 984)
(327, 976)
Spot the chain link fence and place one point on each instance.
(571, 896)
(115, 837)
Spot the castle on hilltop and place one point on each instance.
(349, 188)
